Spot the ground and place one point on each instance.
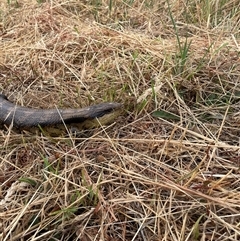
(166, 168)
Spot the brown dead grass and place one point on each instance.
(141, 178)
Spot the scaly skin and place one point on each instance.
(26, 118)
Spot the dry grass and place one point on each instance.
(143, 177)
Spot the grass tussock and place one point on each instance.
(168, 167)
